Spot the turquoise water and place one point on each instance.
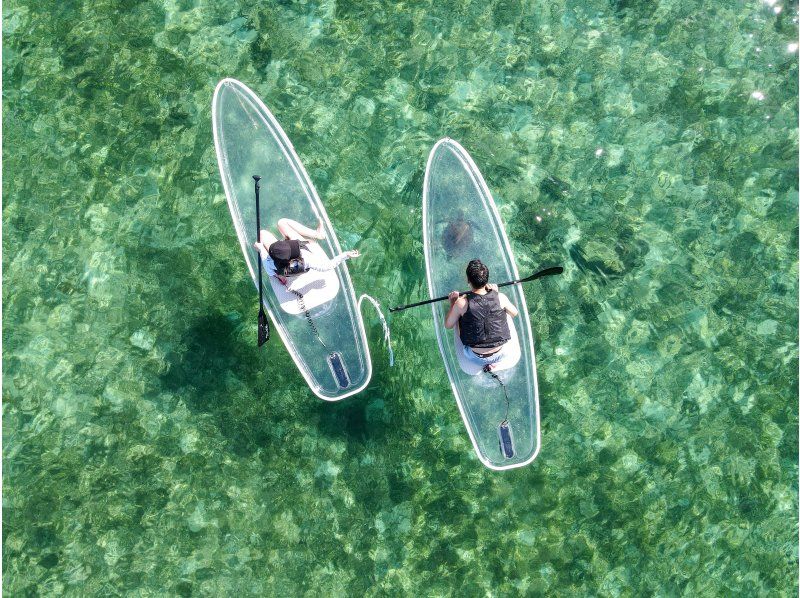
(649, 147)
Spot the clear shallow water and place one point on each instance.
(148, 446)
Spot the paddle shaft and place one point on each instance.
(258, 238)
(539, 274)
(263, 333)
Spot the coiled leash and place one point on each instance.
(335, 360)
(387, 335)
(504, 431)
(302, 303)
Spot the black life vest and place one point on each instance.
(485, 325)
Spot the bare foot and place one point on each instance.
(320, 231)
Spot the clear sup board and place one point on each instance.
(455, 193)
(249, 141)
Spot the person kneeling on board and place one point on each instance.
(482, 318)
(291, 256)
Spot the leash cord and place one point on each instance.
(302, 303)
(387, 336)
(505, 392)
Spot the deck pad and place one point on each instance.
(317, 288)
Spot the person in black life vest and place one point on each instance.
(482, 318)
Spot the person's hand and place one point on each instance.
(453, 297)
(320, 231)
(353, 253)
(491, 287)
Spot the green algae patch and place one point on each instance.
(151, 448)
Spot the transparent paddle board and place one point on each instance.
(249, 141)
(461, 223)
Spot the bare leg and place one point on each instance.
(267, 239)
(292, 229)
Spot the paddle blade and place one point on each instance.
(263, 328)
(547, 272)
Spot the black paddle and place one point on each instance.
(540, 274)
(263, 324)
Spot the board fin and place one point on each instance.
(506, 440)
(338, 369)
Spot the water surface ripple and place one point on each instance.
(648, 146)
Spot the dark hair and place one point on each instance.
(477, 274)
(284, 250)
